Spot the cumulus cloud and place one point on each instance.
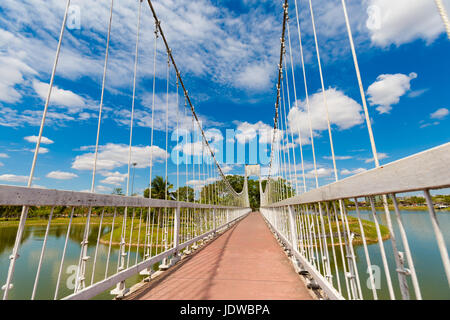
(101, 188)
(256, 76)
(226, 168)
(60, 97)
(439, 113)
(193, 28)
(111, 156)
(194, 149)
(344, 113)
(387, 90)
(338, 157)
(246, 132)
(42, 150)
(13, 178)
(321, 173)
(381, 156)
(61, 175)
(13, 72)
(34, 139)
(401, 21)
(347, 172)
(114, 178)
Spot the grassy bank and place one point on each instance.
(391, 207)
(368, 226)
(13, 222)
(158, 233)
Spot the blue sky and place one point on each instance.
(227, 52)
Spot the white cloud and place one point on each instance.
(321, 173)
(114, 178)
(439, 114)
(13, 72)
(226, 168)
(387, 90)
(13, 178)
(346, 172)
(338, 157)
(197, 149)
(111, 156)
(246, 132)
(34, 139)
(61, 175)
(1, 164)
(38, 186)
(3, 155)
(256, 76)
(103, 189)
(60, 97)
(381, 156)
(42, 150)
(344, 112)
(194, 29)
(402, 21)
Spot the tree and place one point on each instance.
(159, 189)
(237, 183)
(118, 192)
(185, 194)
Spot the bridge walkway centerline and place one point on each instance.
(244, 263)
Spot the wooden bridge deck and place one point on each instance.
(244, 263)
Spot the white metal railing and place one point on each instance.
(314, 226)
(156, 231)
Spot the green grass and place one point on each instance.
(391, 207)
(9, 222)
(368, 226)
(157, 232)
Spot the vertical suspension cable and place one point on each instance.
(308, 108)
(178, 155)
(323, 92)
(167, 127)
(23, 215)
(304, 80)
(361, 88)
(153, 108)
(284, 129)
(285, 116)
(134, 96)
(101, 97)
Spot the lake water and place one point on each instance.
(422, 241)
(424, 250)
(30, 250)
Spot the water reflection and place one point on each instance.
(30, 250)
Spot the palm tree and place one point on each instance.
(159, 189)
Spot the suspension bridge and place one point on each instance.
(301, 243)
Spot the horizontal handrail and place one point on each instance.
(429, 169)
(23, 196)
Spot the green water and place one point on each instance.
(425, 253)
(30, 250)
(422, 241)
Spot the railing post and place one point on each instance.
(294, 240)
(176, 237)
(214, 222)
